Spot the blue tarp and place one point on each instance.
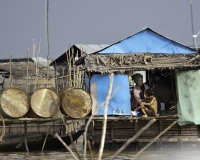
(119, 104)
(147, 41)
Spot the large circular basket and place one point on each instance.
(14, 103)
(45, 102)
(75, 102)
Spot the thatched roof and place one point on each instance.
(107, 63)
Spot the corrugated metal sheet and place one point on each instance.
(149, 41)
(91, 48)
(88, 48)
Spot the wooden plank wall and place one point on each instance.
(119, 131)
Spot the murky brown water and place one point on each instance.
(57, 155)
(164, 154)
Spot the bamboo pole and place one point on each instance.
(77, 72)
(28, 53)
(69, 67)
(160, 134)
(133, 138)
(64, 144)
(67, 59)
(37, 66)
(10, 69)
(48, 43)
(74, 71)
(56, 78)
(111, 76)
(63, 75)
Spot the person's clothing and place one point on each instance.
(135, 96)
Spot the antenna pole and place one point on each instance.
(192, 22)
(48, 43)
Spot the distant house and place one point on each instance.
(18, 69)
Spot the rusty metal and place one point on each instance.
(45, 102)
(14, 103)
(75, 102)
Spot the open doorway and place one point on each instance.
(163, 84)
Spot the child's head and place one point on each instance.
(149, 92)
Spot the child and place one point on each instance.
(149, 105)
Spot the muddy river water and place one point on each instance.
(192, 153)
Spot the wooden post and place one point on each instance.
(25, 136)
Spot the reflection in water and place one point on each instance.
(191, 153)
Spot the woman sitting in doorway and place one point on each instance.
(138, 91)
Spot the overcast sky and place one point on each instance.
(90, 22)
